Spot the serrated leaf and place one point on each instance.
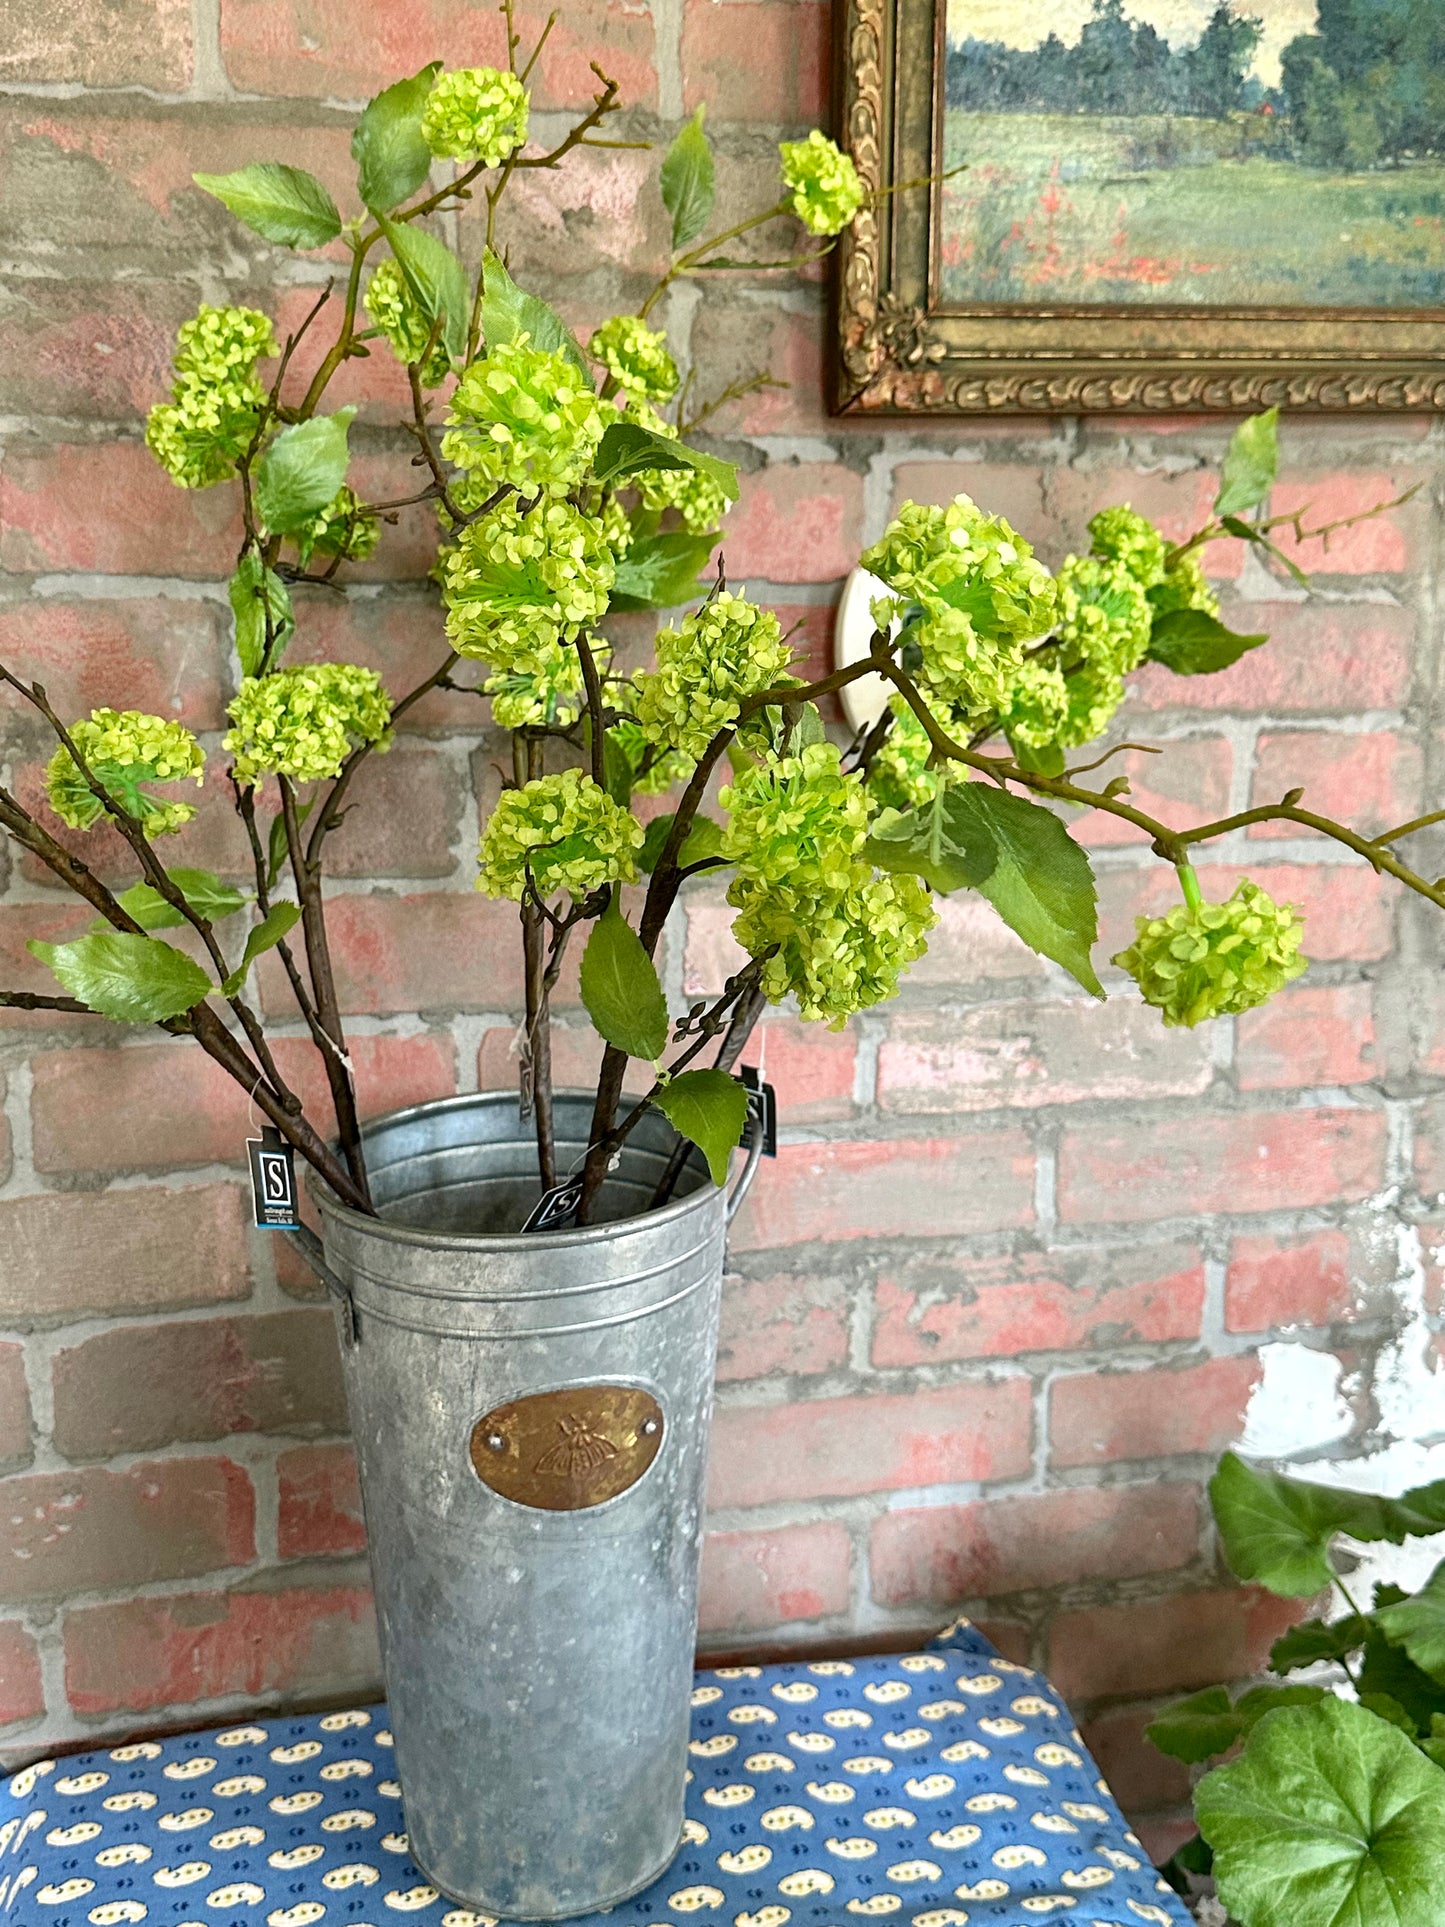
(620, 988)
(1331, 1817)
(437, 280)
(948, 847)
(391, 156)
(1277, 1531)
(1041, 882)
(1421, 1509)
(629, 449)
(1199, 1728)
(302, 470)
(283, 204)
(703, 840)
(710, 1108)
(135, 980)
(1251, 464)
(1418, 1624)
(202, 890)
(256, 592)
(1314, 1641)
(509, 311)
(278, 922)
(1389, 1710)
(686, 179)
(1388, 1670)
(661, 571)
(1193, 643)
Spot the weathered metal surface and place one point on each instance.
(568, 1449)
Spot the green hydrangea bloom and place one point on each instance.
(1122, 535)
(655, 770)
(636, 357)
(475, 114)
(1094, 692)
(616, 526)
(567, 830)
(1038, 707)
(900, 778)
(552, 691)
(304, 722)
(200, 434)
(1211, 959)
(518, 582)
(123, 749)
(798, 821)
(823, 182)
(724, 652)
(527, 417)
(698, 499)
(838, 955)
(342, 528)
(394, 310)
(1104, 614)
(1184, 587)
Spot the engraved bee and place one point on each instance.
(301, 1915)
(737, 1794)
(240, 1736)
(772, 1916)
(711, 1749)
(979, 1683)
(752, 1716)
(346, 1770)
(847, 1716)
(910, 1737)
(1082, 1810)
(1052, 1823)
(75, 1836)
(1046, 1903)
(690, 1900)
(941, 1917)
(1025, 1776)
(780, 1819)
(868, 1763)
(1000, 1729)
(796, 1692)
(355, 1873)
(234, 1837)
(111, 1913)
(923, 1663)
(139, 1801)
(854, 1849)
(694, 1834)
(883, 1819)
(1052, 1754)
(184, 1821)
(739, 1672)
(941, 1709)
(832, 1669)
(887, 1692)
(294, 1755)
(956, 1838)
(82, 1782)
(768, 1763)
(579, 1449)
(191, 1769)
(932, 1786)
(133, 1853)
(876, 1904)
(811, 1742)
(398, 1842)
(57, 1894)
(243, 1783)
(750, 1859)
(144, 1750)
(907, 1870)
(807, 1880)
(296, 1802)
(410, 1900)
(983, 1890)
(705, 1695)
(1086, 1876)
(287, 1860)
(1031, 1706)
(338, 1722)
(991, 1803)
(1116, 1858)
(343, 1822)
(832, 1792)
(964, 1750)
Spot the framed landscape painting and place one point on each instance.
(1093, 205)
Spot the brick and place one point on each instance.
(576, 1060)
(1384, 545)
(946, 1187)
(109, 509)
(710, 954)
(430, 952)
(596, 209)
(944, 1555)
(735, 339)
(1098, 1417)
(1178, 502)
(135, 45)
(52, 923)
(972, 944)
(790, 1323)
(162, 1106)
(66, 1254)
(756, 60)
(400, 636)
(795, 521)
(811, 1067)
(1307, 1035)
(137, 1387)
(319, 1501)
(22, 1691)
(133, 1655)
(15, 1440)
(836, 1447)
(1348, 911)
(936, 1310)
(1321, 659)
(1166, 1645)
(67, 1532)
(1014, 490)
(1025, 1054)
(1141, 1779)
(92, 350)
(1287, 1281)
(404, 814)
(1371, 782)
(754, 1580)
(1189, 783)
(157, 654)
(1253, 1161)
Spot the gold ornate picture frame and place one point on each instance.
(905, 345)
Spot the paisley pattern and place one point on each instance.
(942, 1787)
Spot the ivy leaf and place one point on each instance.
(686, 179)
(1041, 883)
(391, 156)
(278, 922)
(1199, 1728)
(629, 449)
(1193, 643)
(948, 850)
(1277, 1531)
(1418, 1625)
(1251, 464)
(437, 280)
(620, 988)
(203, 891)
(1330, 1817)
(302, 470)
(255, 592)
(507, 311)
(661, 571)
(704, 839)
(1313, 1641)
(134, 979)
(709, 1107)
(284, 204)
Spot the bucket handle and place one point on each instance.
(749, 1171)
(305, 1241)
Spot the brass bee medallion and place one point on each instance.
(564, 1450)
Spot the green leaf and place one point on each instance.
(661, 571)
(437, 280)
(620, 988)
(135, 980)
(709, 1107)
(703, 840)
(687, 184)
(391, 157)
(1422, 1509)
(1199, 1728)
(1194, 643)
(1047, 758)
(1388, 1710)
(1041, 883)
(285, 204)
(1418, 1625)
(1313, 1641)
(256, 591)
(1277, 1531)
(629, 449)
(939, 842)
(1330, 1819)
(301, 471)
(508, 312)
(1251, 464)
(1259, 1700)
(1388, 1671)
(278, 922)
(1194, 1857)
(203, 891)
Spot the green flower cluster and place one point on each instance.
(823, 183)
(303, 722)
(395, 311)
(900, 778)
(1038, 711)
(635, 356)
(519, 582)
(200, 434)
(566, 830)
(525, 417)
(475, 114)
(1211, 959)
(342, 528)
(697, 498)
(726, 651)
(1184, 587)
(1120, 535)
(550, 691)
(798, 821)
(654, 770)
(123, 749)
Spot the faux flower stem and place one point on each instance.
(1189, 884)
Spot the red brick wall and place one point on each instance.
(998, 1304)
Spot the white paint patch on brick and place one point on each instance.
(1296, 1405)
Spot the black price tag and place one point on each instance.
(556, 1207)
(273, 1181)
(762, 1109)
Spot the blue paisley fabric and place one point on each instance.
(941, 1787)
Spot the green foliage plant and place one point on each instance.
(569, 483)
(1332, 1809)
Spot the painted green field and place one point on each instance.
(1065, 207)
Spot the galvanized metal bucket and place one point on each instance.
(531, 1417)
